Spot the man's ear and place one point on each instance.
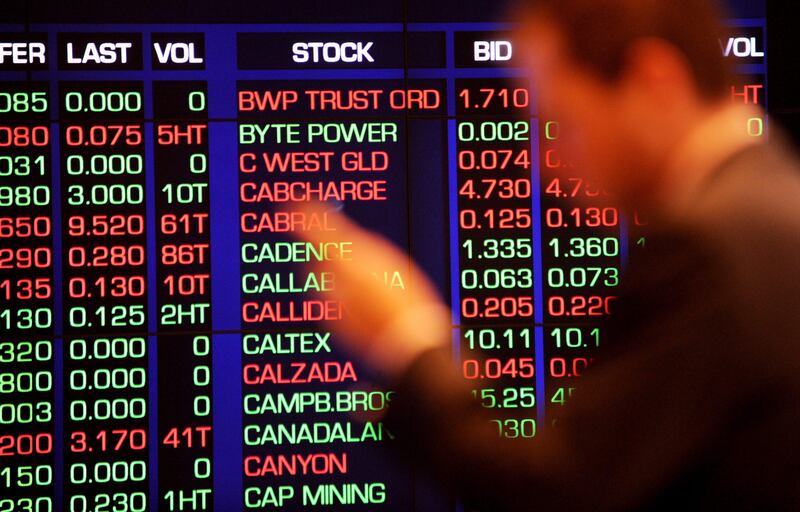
(657, 68)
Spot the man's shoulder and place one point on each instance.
(740, 250)
(745, 220)
(754, 194)
(749, 216)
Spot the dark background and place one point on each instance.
(783, 68)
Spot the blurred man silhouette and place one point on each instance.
(696, 403)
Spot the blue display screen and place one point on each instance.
(160, 336)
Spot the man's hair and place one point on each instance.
(600, 32)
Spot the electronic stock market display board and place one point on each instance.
(159, 346)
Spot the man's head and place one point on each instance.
(625, 78)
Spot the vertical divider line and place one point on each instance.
(538, 272)
(409, 192)
(452, 162)
(455, 292)
(58, 304)
(152, 419)
(226, 359)
(407, 122)
(541, 395)
(152, 278)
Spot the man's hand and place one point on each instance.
(387, 327)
